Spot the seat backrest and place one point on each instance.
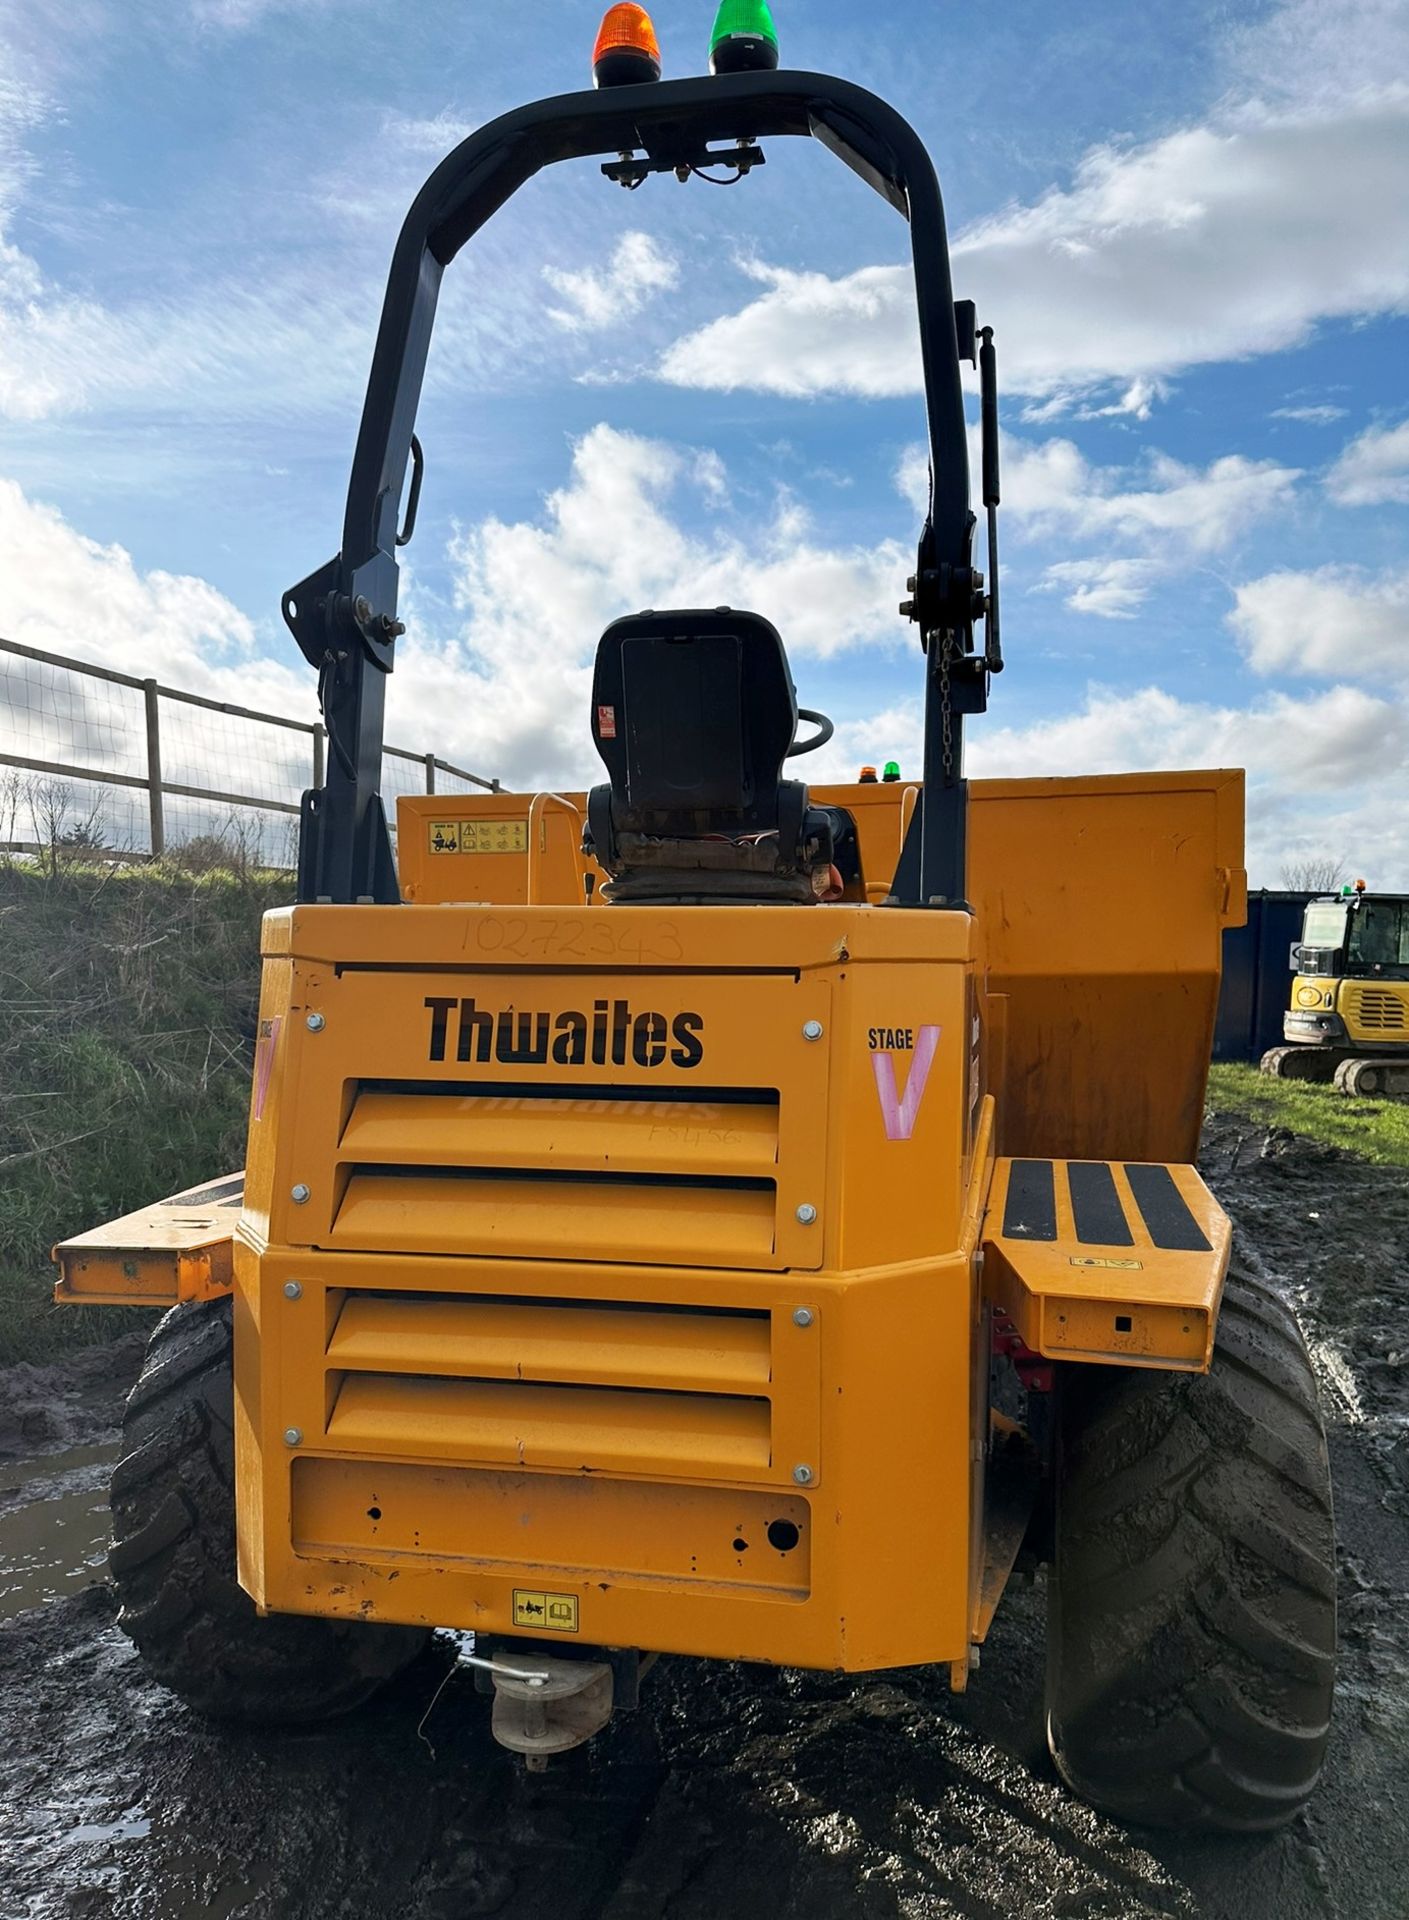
(693, 715)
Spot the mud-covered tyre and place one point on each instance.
(1192, 1609)
(173, 1554)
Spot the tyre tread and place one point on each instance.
(1192, 1609)
(173, 1553)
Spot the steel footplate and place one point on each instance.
(1107, 1260)
(178, 1250)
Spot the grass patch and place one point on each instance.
(1375, 1129)
(128, 999)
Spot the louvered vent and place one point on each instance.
(1376, 1009)
(552, 1173)
(552, 1383)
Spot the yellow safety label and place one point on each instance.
(555, 1612)
(1093, 1260)
(478, 836)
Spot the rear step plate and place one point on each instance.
(1107, 1260)
(177, 1250)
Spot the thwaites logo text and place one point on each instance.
(609, 1036)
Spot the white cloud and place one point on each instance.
(64, 592)
(1312, 52)
(1323, 743)
(1285, 208)
(1330, 622)
(67, 594)
(1317, 767)
(279, 337)
(1108, 589)
(233, 16)
(602, 296)
(509, 694)
(1049, 486)
(278, 340)
(1138, 401)
(1166, 512)
(1322, 415)
(536, 595)
(426, 136)
(1205, 509)
(809, 334)
(1374, 469)
(232, 350)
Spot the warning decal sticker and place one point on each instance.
(557, 1612)
(478, 836)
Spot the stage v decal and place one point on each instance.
(900, 1111)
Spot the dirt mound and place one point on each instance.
(68, 1402)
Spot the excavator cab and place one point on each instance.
(628, 1263)
(1348, 1018)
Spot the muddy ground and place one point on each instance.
(736, 1792)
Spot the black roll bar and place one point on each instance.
(344, 616)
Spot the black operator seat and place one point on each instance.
(693, 714)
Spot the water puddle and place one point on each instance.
(131, 1825)
(53, 1525)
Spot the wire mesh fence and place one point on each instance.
(98, 761)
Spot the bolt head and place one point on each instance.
(803, 1475)
(315, 1023)
(300, 1194)
(802, 1316)
(292, 1290)
(812, 1030)
(806, 1214)
(293, 1437)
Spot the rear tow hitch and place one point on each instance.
(544, 1704)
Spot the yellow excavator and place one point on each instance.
(706, 1215)
(1349, 1015)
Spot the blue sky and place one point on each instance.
(1190, 227)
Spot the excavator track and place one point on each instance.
(1302, 1063)
(1376, 1075)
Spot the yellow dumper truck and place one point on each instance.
(704, 1215)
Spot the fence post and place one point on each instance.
(320, 734)
(154, 800)
(430, 772)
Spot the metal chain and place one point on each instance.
(946, 708)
